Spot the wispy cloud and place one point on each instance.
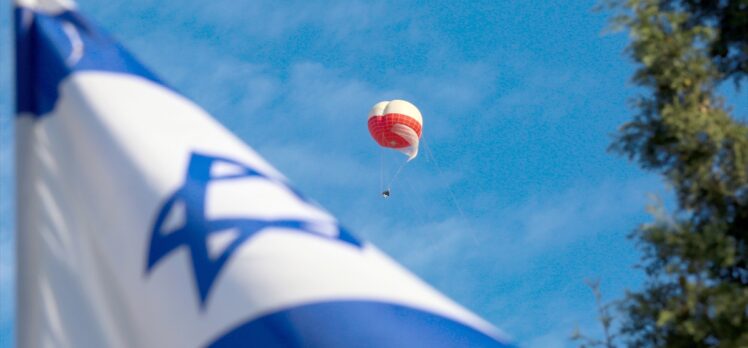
(325, 94)
(516, 234)
(550, 92)
(531, 250)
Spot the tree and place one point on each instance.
(729, 49)
(696, 256)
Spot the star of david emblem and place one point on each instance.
(194, 229)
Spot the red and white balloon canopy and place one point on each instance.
(396, 124)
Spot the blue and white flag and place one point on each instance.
(142, 222)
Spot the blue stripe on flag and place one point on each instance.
(347, 324)
(51, 47)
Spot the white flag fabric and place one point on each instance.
(142, 222)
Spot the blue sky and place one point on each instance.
(516, 200)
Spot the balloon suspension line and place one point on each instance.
(449, 189)
(381, 170)
(389, 185)
(386, 190)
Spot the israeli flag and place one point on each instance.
(142, 222)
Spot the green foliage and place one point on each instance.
(695, 258)
(729, 49)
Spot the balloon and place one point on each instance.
(396, 124)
